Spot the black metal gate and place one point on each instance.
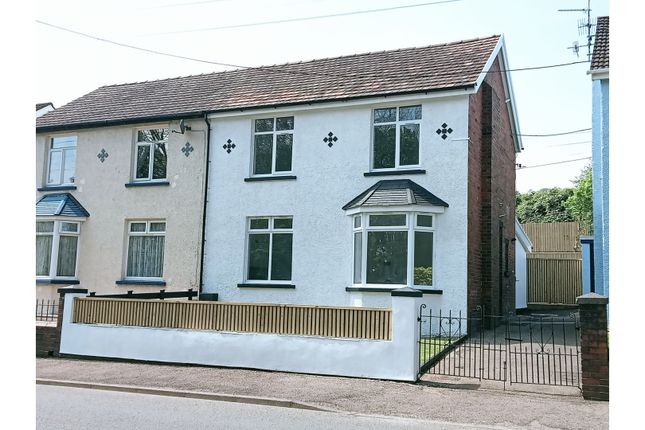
(535, 349)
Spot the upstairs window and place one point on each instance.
(62, 161)
(56, 249)
(272, 145)
(396, 137)
(151, 154)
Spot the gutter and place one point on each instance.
(200, 114)
(208, 149)
(111, 123)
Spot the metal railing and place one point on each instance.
(46, 310)
(536, 349)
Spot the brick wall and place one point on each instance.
(491, 199)
(48, 336)
(594, 347)
(47, 341)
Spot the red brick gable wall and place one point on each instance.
(491, 199)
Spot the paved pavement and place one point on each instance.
(481, 405)
(80, 408)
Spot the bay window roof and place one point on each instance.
(63, 204)
(395, 192)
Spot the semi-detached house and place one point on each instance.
(330, 182)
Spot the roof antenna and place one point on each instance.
(585, 28)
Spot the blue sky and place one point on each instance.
(547, 101)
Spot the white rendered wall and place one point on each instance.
(100, 188)
(396, 359)
(328, 178)
(521, 292)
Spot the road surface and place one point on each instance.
(81, 408)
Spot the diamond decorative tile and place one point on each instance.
(229, 145)
(187, 149)
(444, 131)
(330, 139)
(102, 155)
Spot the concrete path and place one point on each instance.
(478, 406)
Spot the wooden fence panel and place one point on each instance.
(345, 322)
(554, 281)
(555, 236)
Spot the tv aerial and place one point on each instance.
(585, 28)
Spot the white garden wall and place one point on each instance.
(396, 359)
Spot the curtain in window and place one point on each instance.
(67, 256)
(43, 255)
(145, 256)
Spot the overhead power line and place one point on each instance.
(571, 143)
(275, 69)
(192, 3)
(125, 45)
(522, 167)
(310, 18)
(556, 134)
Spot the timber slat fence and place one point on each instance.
(555, 281)
(342, 322)
(555, 237)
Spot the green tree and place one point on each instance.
(546, 205)
(580, 204)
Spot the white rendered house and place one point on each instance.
(353, 176)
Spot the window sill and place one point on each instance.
(58, 281)
(396, 172)
(266, 286)
(139, 282)
(57, 188)
(147, 184)
(270, 178)
(389, 290)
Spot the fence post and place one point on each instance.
(405, 328)
(61, 306)
(594, 346)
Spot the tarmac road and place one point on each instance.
(81, 408)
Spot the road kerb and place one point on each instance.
(266, 401)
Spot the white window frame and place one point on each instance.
(270, 231)
(56, 234)
(147, 232)
(410, 227)
(274, 151)
(397, 124)
(61, 179)
(151, 152)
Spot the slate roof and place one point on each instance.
(600, 56)
(413, 70)
(39, 106)
(395, 192)
(63, 204)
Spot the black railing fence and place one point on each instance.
(535, 349)
(46, 310)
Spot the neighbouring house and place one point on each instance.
(600, 155)
(120, 193)
(337, 180)
(521, 282)
(43, 108)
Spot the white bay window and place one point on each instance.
(394, 249)
(57, 249)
